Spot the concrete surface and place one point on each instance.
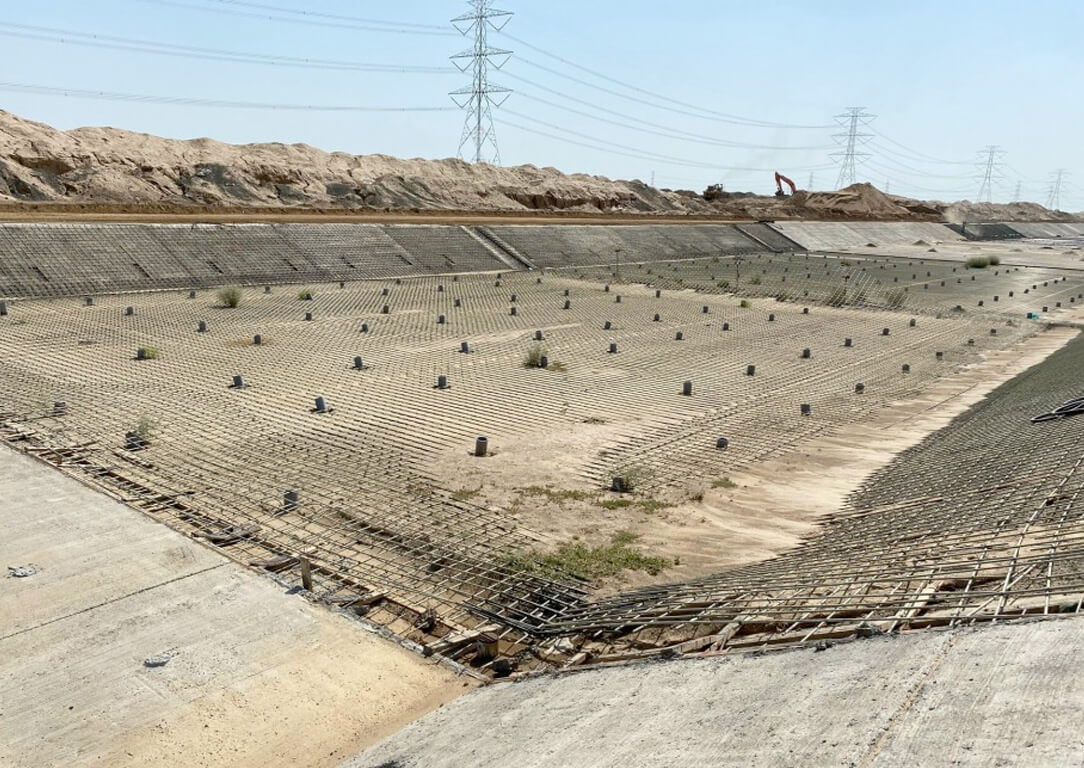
(256, 676)
(993, 696)
(1048, 229)
(835, 236)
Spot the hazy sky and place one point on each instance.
(944, 79)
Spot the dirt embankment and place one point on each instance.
(107, 171)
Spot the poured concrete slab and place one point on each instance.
(1048, 229)
(835, 236)
(992, 696)
(251, 675)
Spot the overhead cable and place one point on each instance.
(605, 145)
(44, 90)
(722, 116)
(635, 123)
(70, 37)
(307, 21)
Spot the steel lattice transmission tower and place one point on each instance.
(989, 165)
(1053, 200)
(479, 98)
(852, 139)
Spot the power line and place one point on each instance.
(479, 98)
(722, 116)
(390, 27)
(911, 169)
(1022, 176)
(636, 124)
(110, 42)
(853, 120)
(333, 16)
(44, 90)
(919, 156)
(698, 114)
(893, 173)
(607, 145)
(899, 159)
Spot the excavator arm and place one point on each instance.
(780, 179)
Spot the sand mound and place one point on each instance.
(109, 167)
(857, 200)
(964, 211)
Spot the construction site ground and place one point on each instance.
(255, 675)
(830, 512)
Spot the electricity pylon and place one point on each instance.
(479, 98)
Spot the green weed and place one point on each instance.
(577, 560)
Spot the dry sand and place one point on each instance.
(779, 502)
(109, 168)
(776, 503)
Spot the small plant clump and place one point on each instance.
(577, 560)
(466, 494)
(148, 353)
(994, 260)
(646, 506)
(724, 482)
(305, 294)
(978, 262)
(145, 428)
(615, 503)
(229, 296)
(556, 495)
(744, 304)
(534, 356)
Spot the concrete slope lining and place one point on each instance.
(575, 245)
(879, 702)
(771, 239)
(1047, 229)
(985, 231)
(835, 236)
(502, 250)
(71, 259)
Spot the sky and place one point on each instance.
(690, 92)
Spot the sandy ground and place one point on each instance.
(1011, 252)
(779, 502)
(774, 505)
(257, 676)
(992, 696)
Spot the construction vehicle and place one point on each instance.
(779, 181)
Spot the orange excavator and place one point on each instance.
(780, 179)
